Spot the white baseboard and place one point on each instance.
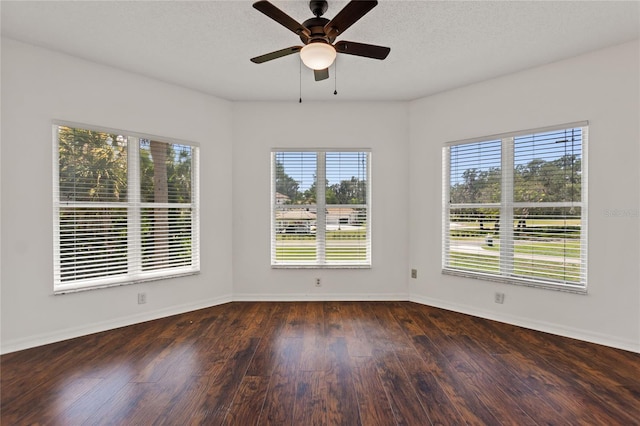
(574, 333)
(302, 297)
(70, 333)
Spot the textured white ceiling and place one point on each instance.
(435, 45)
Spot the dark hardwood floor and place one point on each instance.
(321, 363)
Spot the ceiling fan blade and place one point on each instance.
(282, 18)
(321, 74)
(353, 11)
(361, 49)
(275, 55)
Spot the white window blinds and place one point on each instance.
(125, 208)
(515, 208)
(326, 227)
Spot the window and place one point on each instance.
(330, 227)
(515, 208)
(125, 208)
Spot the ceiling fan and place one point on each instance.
(318, 35)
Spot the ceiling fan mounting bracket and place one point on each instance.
(318, 7)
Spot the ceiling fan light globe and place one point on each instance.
(318, 56)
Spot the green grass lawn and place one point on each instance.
(556, 271)
(332, 253)
(306, 250)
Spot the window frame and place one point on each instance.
(506, 207)
(321, 171)
(133, 206)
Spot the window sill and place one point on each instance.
(75, 288)
(303, 266)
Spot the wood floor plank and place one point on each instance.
(545, 385)
(62, 400)
(266, 356)
(135, 403)
(212, 393)
(310, 407)
(358, 343)
(314, 339)
(223, 387)
(511, 389)
(439, 408)
(337, 324)
(165, 362)
(325, 363)
(190, 324)
(265, 312)
(247, 405)
(498, 401)
(373, 404)
(222, 320)
(189, 404)
(453, 383)
(296, 320)
(341, 395)
(529, 383)
(394, 334)
(280, 397)
(560, 363)
(406, 406)
(35, 389)
(596, 381)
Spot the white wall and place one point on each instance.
(257, 128)
(406, 139)
(39, 86)
(602, 87)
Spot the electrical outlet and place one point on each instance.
(318, 284)
(142, 298)
(499, 297)
(414, 273)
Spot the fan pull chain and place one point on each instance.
(300, 100)
(335, 77)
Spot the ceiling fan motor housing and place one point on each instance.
(316, 27)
